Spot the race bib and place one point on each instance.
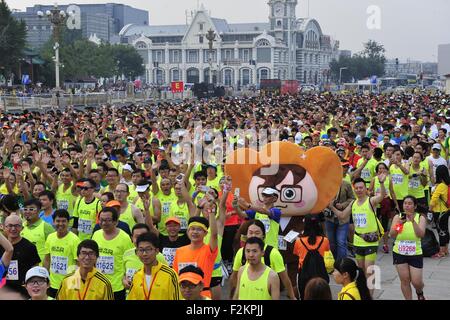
(106, 264)
(13, 271)
(407, 247)
(360, 220)
(397, 178)
(166, 207)
(63, 204)
(184, 224)
(266, 223)
(414, 183)
(169, 255)
(365, 174)
(59, 265)
(182, 265)
(130, 273)
(85, 226)
(282, 244)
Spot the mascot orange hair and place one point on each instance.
(306, 181)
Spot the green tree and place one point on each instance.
(128, 60)
(12, 40)
(362, 65)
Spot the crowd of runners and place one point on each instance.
(114, 203)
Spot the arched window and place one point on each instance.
(141, 45)
(228, 77)
(263, 43)
(245, 77)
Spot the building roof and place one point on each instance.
(249, 27)
(221, 25)
(168, 30)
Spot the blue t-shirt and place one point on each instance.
(48, 219)
(276, 214)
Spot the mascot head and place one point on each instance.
(305, 182)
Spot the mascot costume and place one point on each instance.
(306, 183)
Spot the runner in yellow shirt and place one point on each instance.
(154, 281)
(113, 243)
(353, 280)
(131, 261)
(256, 281)
(86, 283)
(61, 251)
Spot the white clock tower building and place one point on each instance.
(282, 20)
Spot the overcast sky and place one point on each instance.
(409, 28)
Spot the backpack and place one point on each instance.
(430, 245)
(313, 266)
(267, 252)
(448, 197)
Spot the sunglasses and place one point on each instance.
(85, 188)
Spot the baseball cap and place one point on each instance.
(436, 146)
(173, 219)
(191, 277)
(127, 167)
(413, 118)
(112, 203)
(142, 188)
(269, 191)
(40, 272)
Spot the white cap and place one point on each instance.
(142, 188)
(436, 146)
(413, 118)
(270, 191)
(127, 167)
(40, 272)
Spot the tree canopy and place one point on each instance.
(12, 40)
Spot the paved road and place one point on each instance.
(436, 275)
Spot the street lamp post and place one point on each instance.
(57, 18)
(340, 75)
(210, 36)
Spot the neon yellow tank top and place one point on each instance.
(65, 199)
(415, 187)
(181, 212)
(254, 289)
(407, 243)
(127, 217)
(166, 202)
(400, 182)
(365, 222)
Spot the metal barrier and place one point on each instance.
(15, 104)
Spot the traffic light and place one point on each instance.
(396, 61)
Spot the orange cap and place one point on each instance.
(191, 277)
(173, 219)
(112, 203)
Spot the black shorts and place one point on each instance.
(365, 251)
(215, 281)
(413, 261)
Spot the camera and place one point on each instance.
(328, 213)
